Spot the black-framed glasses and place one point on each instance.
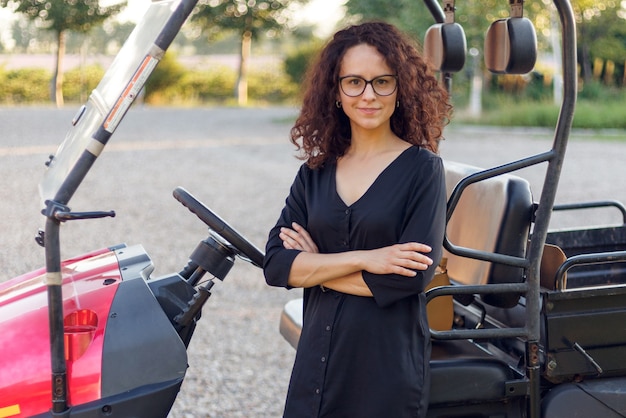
(354, 85)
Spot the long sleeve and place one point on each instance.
(424, 222)
(278, 260)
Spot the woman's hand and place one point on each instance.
(402, 259)
(297, 239)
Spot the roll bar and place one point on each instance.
(531, 262)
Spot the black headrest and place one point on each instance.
(511, 46)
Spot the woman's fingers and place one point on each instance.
(403, 259)
(297, 238)
(304, 234)
(411, 255)
(290, 239)
(408, 266)
(414, 246)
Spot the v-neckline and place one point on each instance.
(376, 180)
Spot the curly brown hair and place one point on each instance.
(322, 131)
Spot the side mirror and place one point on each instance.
(445, 47)
(511, 46)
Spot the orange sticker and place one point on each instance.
(9, 411)
(129, 94)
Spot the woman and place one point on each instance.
(363, 226)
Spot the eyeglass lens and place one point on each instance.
(353, 85)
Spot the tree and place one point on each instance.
(59, 17)
(249, 19)
(601, 33)
(28, 38)
(411, 16)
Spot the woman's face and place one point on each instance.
(372, 109)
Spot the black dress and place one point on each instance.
(362, 356)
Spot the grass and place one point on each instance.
(597, 114)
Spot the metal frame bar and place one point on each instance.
(585, 260)
(593, 205)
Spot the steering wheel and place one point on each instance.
(245, 249)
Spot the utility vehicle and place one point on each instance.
(98, 336)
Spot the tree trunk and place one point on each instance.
(57, 79)
(242, 79)
(585, 56)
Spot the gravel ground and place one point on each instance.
(239, 162)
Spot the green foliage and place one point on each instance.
(532, 87)
(62, 15)
(24, 86)
(538, 87)
(509, 112)
(298, 61)
(214, 85)
(32, 85)
(249, 19)
(271, 86)
(256, 17)
(409, 15)
(162, 85)
(591, 91)
(79, 82)
(171, 83)
(599, 108)
(601, 34)
(602, 114)
(513, 101)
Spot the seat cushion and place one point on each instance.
(460, 371)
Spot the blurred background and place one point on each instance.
(255, 52)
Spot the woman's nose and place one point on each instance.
(369, 93)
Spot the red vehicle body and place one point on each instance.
(89, 286)
(125, 333)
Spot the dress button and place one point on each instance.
(323, 359)
(317, 391)
(327, 327)
(347, 211)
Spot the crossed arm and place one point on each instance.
(342, 271)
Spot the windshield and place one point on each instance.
(110, 100)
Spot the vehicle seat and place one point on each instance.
(492, 215)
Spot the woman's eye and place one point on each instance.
(355, 81)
